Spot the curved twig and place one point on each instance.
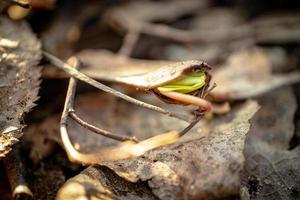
(78, 75)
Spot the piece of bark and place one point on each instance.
(19, 80)
(271, 168)
(203, 164)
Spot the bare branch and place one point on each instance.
(99, 131)
(191, 125)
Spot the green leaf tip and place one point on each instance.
(189, 83)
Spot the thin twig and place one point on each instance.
(99, 131)
(190, 126)
(98, 157)
(78, 75)
(72, 153)
(129, 43)
(259, 30)
(69, 110)
(16, 174)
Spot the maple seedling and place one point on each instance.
(184, 89)
(188, 83)
(183, 83)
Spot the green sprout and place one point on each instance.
(187, 84)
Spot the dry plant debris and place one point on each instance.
(102, 110)
(206, 162)
(272, 169)
(252, 76)
(180, 74)
(19, 79)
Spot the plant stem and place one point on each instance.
(99, 131)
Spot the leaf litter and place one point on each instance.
(252, 76)
(19, 79)
(272, 169)
(256, 43)
(106, 111)
(173, 172)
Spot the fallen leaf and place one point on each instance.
(271, 168)
(19, 80)
(205, 163)
(115, 65)
(105, 65)
(248, 74)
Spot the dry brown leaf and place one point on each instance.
(248, 74)
(271, 169)
(105, 65)
(66, 26)
(19, 80)
(142, 74)
(205, 163)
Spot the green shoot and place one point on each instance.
(187, 84)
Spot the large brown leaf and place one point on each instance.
(271, 169)
(204, 164)
(19, 79)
